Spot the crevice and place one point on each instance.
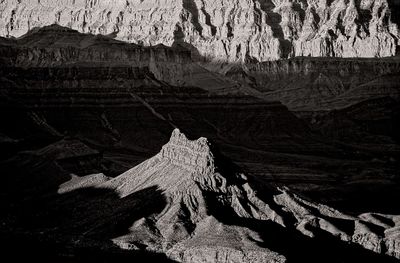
(273, 19)
(230, 30)
(208, 22)
(191, 8)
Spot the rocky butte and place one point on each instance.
(223, 30)
(213, 213)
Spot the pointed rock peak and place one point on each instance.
(193, 155)
(201, 144)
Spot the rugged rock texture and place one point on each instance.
(202, 188)
(75, 104)
(223, 30)
(185, 171)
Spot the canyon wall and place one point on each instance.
(236, 30)
(320, 84)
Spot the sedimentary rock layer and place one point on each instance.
(54, 46)
(299, 83)
(223, 30)
(312, 84)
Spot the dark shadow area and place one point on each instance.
(190, 6)
(230, 30)
(208, 22)
(247, 130)
(394, 6)
(179, 43)
(77, 226)
(25, 248)
(41, 225)
(361, 198)
(250, 131)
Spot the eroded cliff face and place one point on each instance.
(235, 30)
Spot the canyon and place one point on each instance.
(200, 131)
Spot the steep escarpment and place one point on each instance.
(224, 30)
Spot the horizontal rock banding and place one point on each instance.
(224, 30)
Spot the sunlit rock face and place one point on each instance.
(201, 194)
(222, 30)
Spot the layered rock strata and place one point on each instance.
(299, 83)
(223, 30)
(316, 84)
(55, 46)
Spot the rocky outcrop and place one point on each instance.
(202, 194)
(223, 30)
(185, 171)
(194, 156)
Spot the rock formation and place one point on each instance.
(202, 193)
(79, 109)
(223, 30)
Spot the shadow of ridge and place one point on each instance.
(51, 252)
(78, 226)
(394, 6)
(274, 20)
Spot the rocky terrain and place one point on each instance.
(199, 186)
(301, 158)
(224, 31)
(192, 204)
